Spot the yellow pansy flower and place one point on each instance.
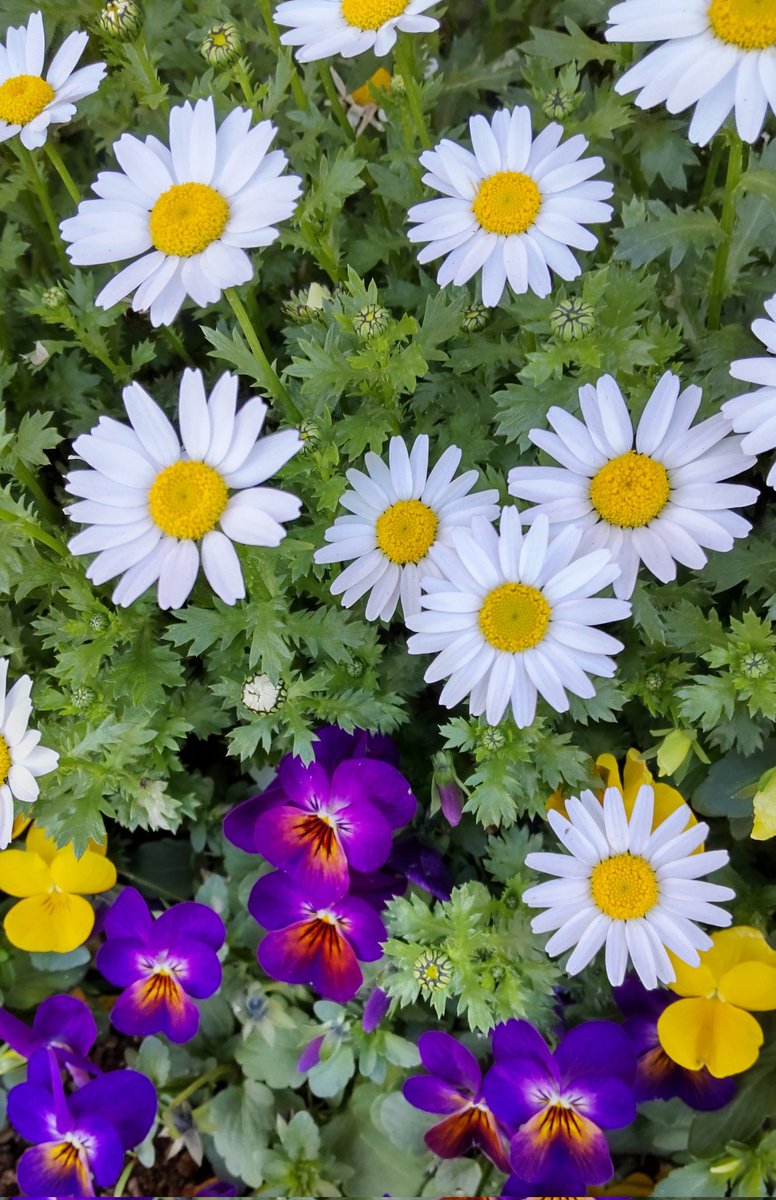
(713, 1026)
(52, 914)
(635, 775)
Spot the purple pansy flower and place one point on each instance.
(658, 1077)
(316, 821)
(454, 1087)
(315, 936)
(559, 1103)
(80, 1140)
(161, 964)
(62, 1024)
(374, 1010)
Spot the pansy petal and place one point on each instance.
(445, 1057)
(156, 1004)
(709, 1033)
(558, 1141)
(56, 922)
(128, 1096)
(87, 875)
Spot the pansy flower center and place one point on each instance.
(749, 24)
(406, 531)
(5, 760)
(514, 617)
(186, 499)
(371, 14)
(631, 490)
(187, 218)
(507, 203)
(624, 887)
(23, 97)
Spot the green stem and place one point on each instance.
(35, 532)
(272, 379)
(710, 181)
(200, 1081)
(404, 57)
(176, 344)
(56, 161)
(241, 75)
(727, 225)
(334, 99)
(121, 1186)
(38, 180)
(28, 480)
(149, 70)
(274, 37)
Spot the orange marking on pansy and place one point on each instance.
(161, 988)
(317, 829)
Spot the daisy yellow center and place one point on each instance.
(23, 97)
(630, 490)
(371, 14)
(514, 617)
(750, 24)
(186, 499)
(5, 760)
(624, 887)
(187, 218)
(507, 202)
(406, 531)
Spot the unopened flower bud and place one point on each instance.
(81, 698)
(221, 45)
(306, 306)
(572, 320)
(474, 318)
(492, 739)
(121, 19)
(433, 970)
(755, 665)
(54, 297)
(370, 321)
(261, 695)
(309, 434)
(559, 104)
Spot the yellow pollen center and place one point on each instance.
(624, 887)
(630, 490)
(23, 97)
(507, 202)
(371, 14)
(750, 24)
(187, 218)
(5, 760)
(514, 617)
(406, 531)
(186, 499)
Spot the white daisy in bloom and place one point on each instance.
(31, 101)
(322, 28)
(635, 888)
(155, 508)
(755, 412)
(718, 55)
(22, 758)
(513, 616)
(514, 209)
(185, 214)
(397, 514)
(658, 500)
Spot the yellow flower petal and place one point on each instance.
(609, 769)
(741, 944)
(54, 922)
(692, 981)
(709, 1033)
(765, 810)
(89, 874)
(750, 985)
(19, 826)
(39, 842)
(23, 874)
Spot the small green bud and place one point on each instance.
(309, 434)
(121, 19)
(303, 307)
(261, 695)
(572, 320)
(433, 970)
(474, 318)
(492, 739)
(81, 698)
(654, 681)
(98, 622)
(754, 665)
(221, 45)
(398, 86)
(54, 297)
(370, 321)
(559, 104)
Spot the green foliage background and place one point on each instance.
(145, 707)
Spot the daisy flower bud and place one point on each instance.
(474, 318)
(121, 19)
(559, 104)
(433, 970)
(221, 44)
(54, 297)
(370, 321)
(261, 695)
(572, 320)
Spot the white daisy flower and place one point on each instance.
(513, 616)
(513, 209)
(30, 101)
(755, 412)
(658, 502)
(22, 759)
(186, 213)
(718, 55)
(323, 28)
(155, 508)
(636, 889)
(397, 514)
